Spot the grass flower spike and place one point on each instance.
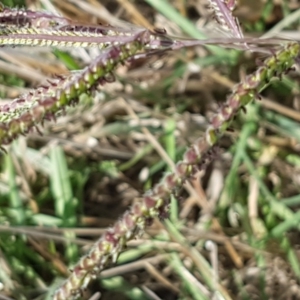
(31, 109)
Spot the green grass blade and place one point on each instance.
(65, 204)
(15, 201)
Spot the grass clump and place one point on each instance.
(162, 121)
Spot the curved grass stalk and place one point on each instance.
(155, 202)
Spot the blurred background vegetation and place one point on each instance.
(61, 189)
